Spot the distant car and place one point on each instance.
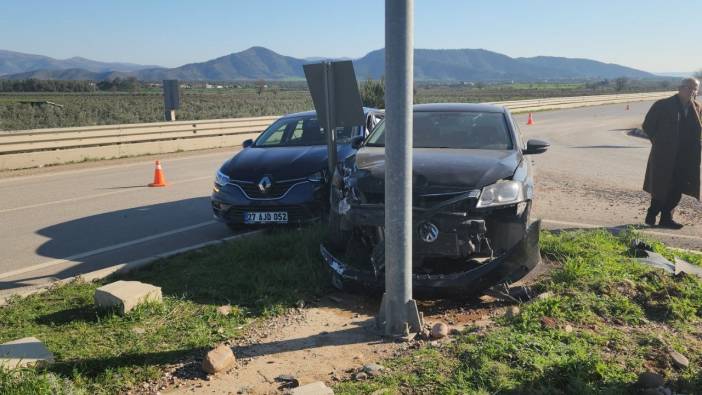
(281, 177)
(472, 193)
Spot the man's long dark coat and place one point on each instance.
(663, 126)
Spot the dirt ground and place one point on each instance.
(326, 340)
(562, 197)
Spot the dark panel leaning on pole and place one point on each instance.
(330, 119)
(398, 310)
(336, 99)
(171, 99)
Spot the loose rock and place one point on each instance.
(568, 328)
(288, 381)
(224, 310)
(360, 376)
(512, 311)
(218, 360)
(373, 369)
(679, 360)
(316, 388)
(439, 330)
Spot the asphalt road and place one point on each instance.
(593, 173)
(60, 222)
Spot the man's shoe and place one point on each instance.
(650, 219)
(668, 223)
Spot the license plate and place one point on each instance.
(266, 217)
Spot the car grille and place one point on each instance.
(296, 214)
(423, 201)
(277, 189)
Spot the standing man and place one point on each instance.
(673, 125)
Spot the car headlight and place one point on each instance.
(501, 193)
(316, 177)
(221, 179)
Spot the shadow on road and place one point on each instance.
(115, 237)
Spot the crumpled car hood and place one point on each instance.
(439, 170)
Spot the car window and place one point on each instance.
(274, 134)
(452, 129)
(302, 132)
(296, 135)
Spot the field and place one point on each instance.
(87, 109)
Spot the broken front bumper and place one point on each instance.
(508, 267)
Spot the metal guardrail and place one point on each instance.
(41, 147)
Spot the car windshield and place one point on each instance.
(452, 129)
(301, 131)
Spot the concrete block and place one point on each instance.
(316, 388)
(25, 352)
(125, 295)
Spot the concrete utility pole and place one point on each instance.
(398, 309)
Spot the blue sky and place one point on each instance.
(642, 34)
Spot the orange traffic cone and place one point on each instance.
(159, 178)
(530, 121)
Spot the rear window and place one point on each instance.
(463, 130)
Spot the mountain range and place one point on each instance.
(17, 62)
(261, 63)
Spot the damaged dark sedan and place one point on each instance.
(472, 195)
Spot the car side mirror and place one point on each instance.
(357, 141)
(247, 143)
(536, 147)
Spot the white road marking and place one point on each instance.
(87, 197)
(104, 249)
(652, 232)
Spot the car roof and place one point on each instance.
(304, 114)
(458, 107)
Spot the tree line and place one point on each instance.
(129, 84)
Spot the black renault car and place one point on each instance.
(281, 177)
(472, 190)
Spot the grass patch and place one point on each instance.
(625, 318)
(103, 352)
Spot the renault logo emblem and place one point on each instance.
(428, 232)
(265, 184)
